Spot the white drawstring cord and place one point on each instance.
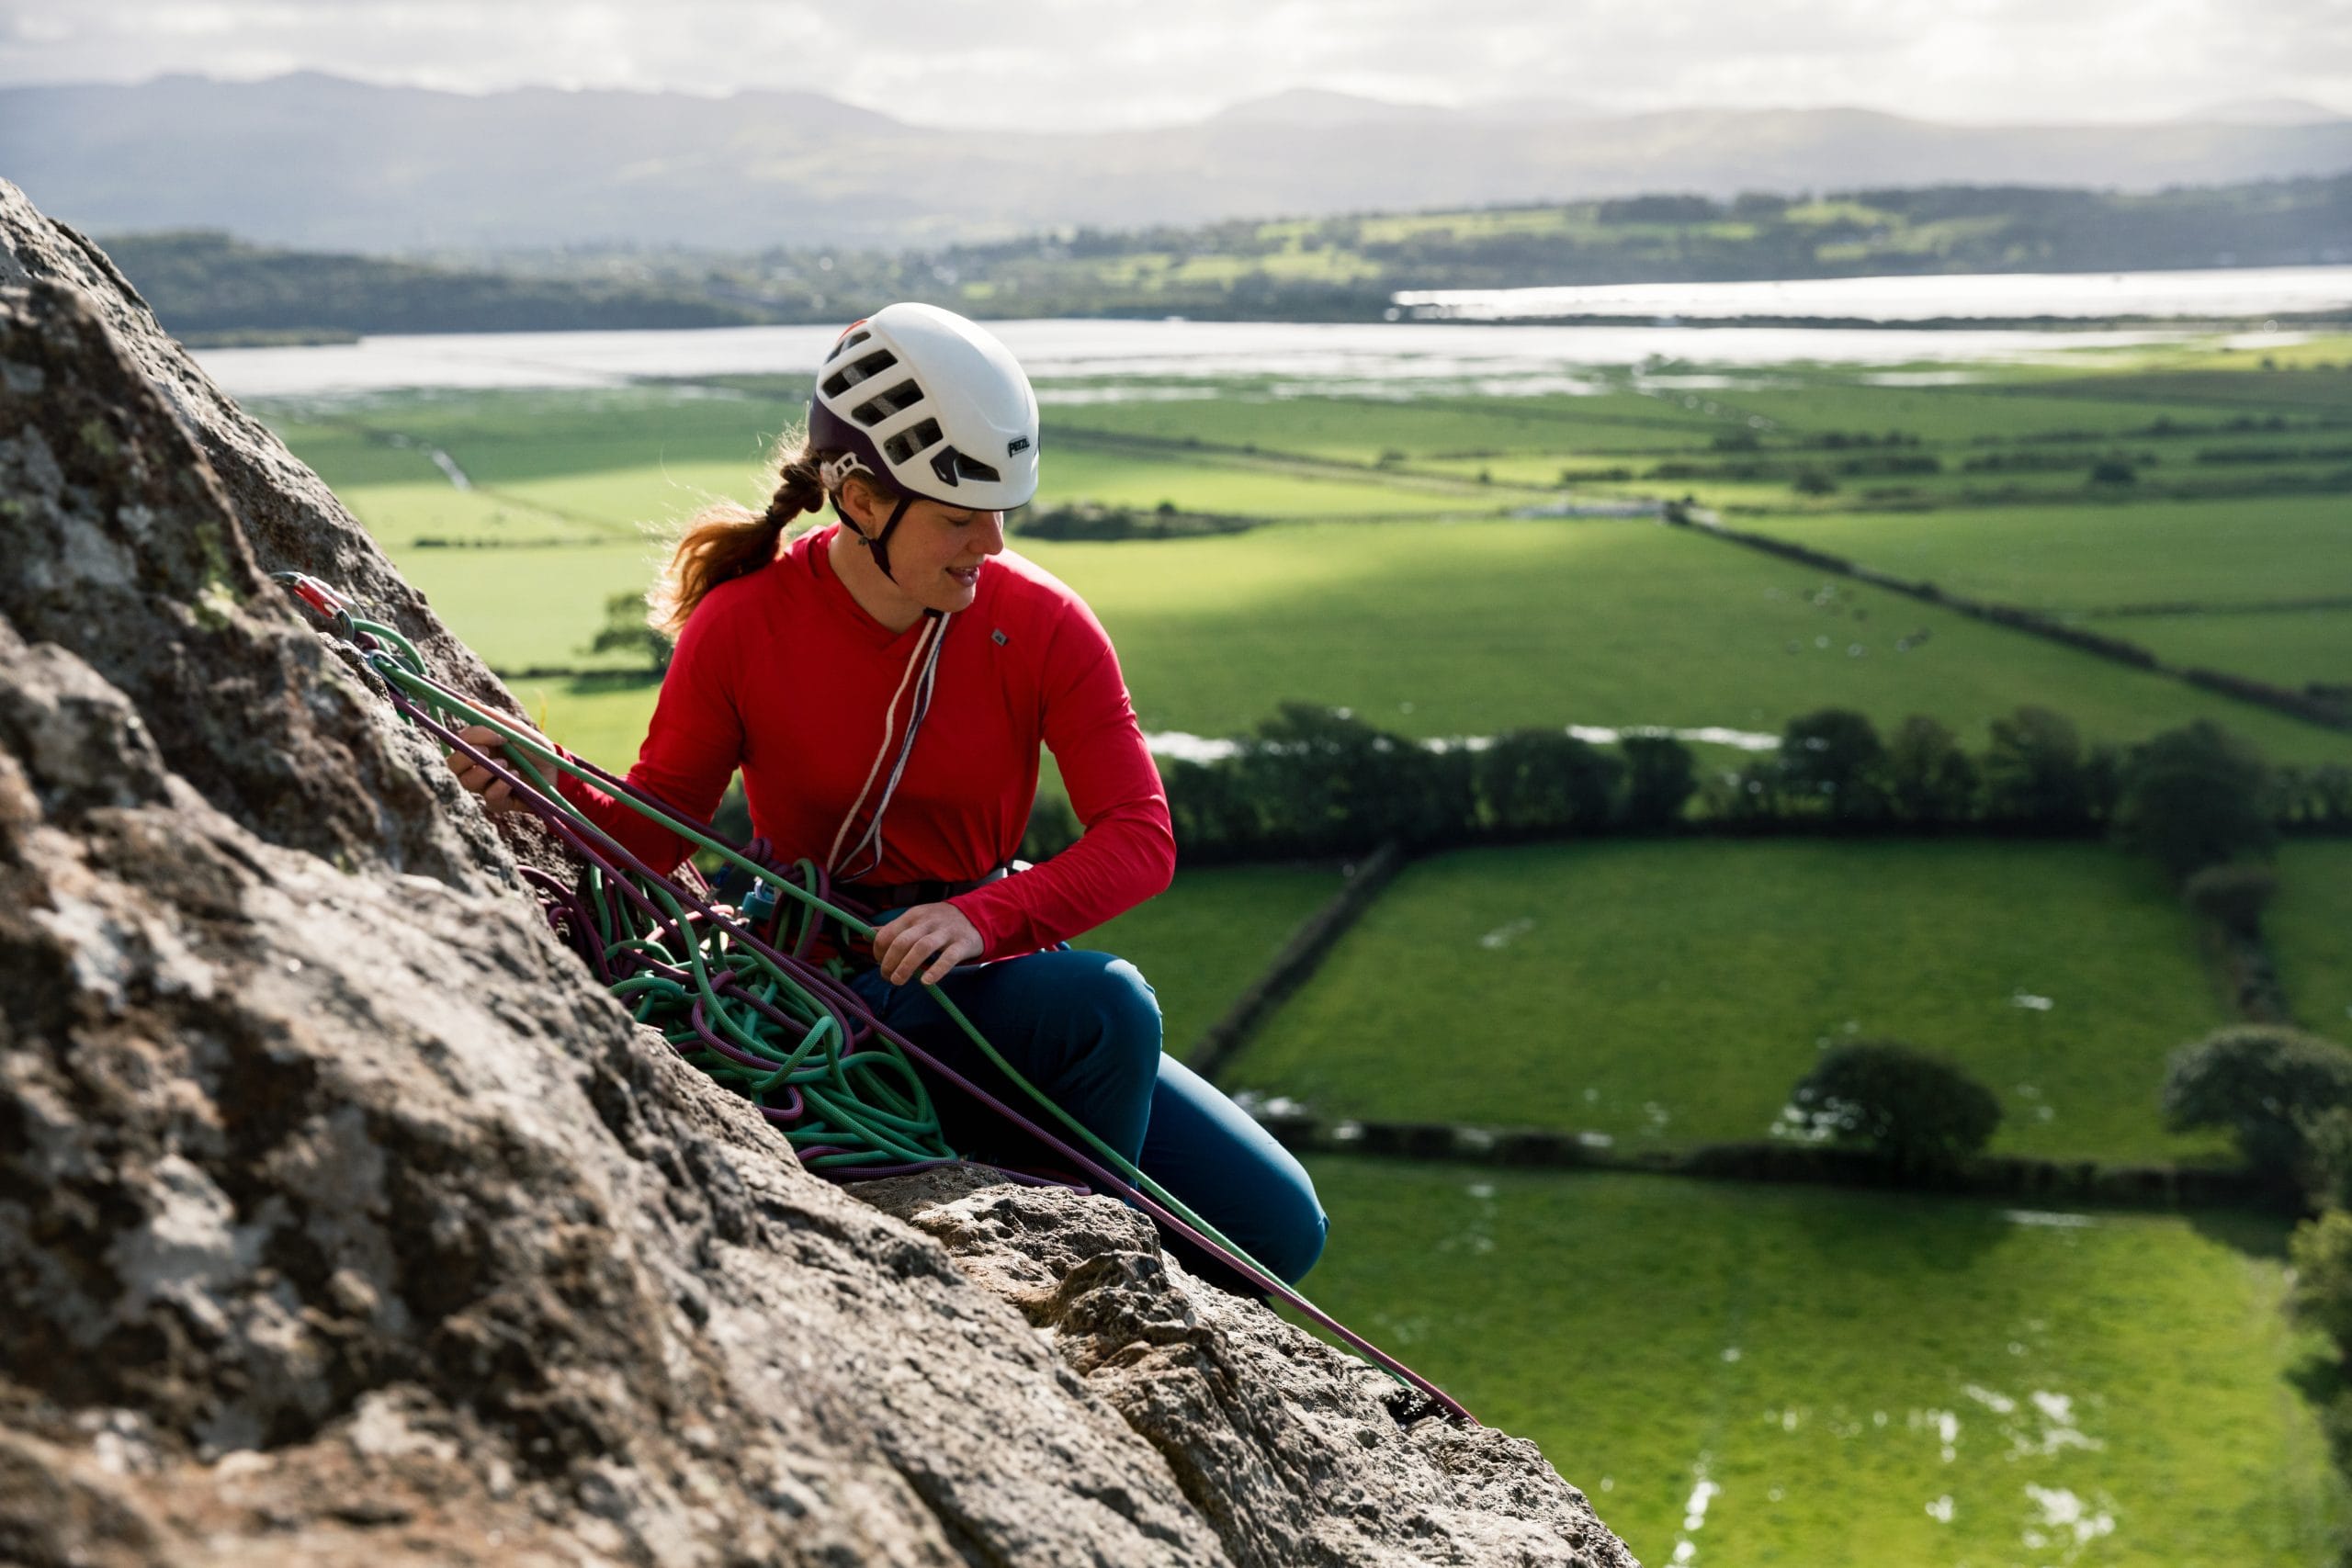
(920, 706)
(926, 654)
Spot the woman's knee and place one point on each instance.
(1128, 1013)
(1294, 1229)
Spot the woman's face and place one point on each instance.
(936, 551)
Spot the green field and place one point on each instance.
(2286, 648)
(602, 718)
(1652, 1333)
(1860, 1379)
(1432, 628)
(1486, 627)
(1138, 479)
(523, 608)
(1472, 629)
(2086, 558)
(2310, 928)
(1671, 993)
(1360, 429)
(405, 518)
(1210, 935)
(1973, 413)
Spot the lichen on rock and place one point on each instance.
(343, 1217)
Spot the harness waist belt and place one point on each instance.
(905, 894)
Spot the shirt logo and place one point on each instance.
(999, 637)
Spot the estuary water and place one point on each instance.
(1076, 360)
(2210, 294)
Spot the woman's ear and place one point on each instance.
(862, 503)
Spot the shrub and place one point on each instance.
(2322, 1296)
(2193, 797)
(1751, 792)
(2233, 896)
(1537, 781)
(1660, 776)
(1929, 779)
(733, 818)
(1326, 782)
(2035, 771)
(2327, 1157)
(1917, 1110)
(1833, 759)
(1053, 827)
(2266, 1084)
(1211, 811)
(2320, 795)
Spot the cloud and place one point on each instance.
(1060, 64)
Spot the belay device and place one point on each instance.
(756, 1013)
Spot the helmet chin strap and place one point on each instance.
(879, 544)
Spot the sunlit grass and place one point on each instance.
(2286, 648)
(2088, 558)
(1486, 627)
(1667, 994)
(1855, 1378)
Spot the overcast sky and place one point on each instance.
(1068, 64)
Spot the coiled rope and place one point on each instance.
(758, 1016)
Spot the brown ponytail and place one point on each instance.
(727, 540)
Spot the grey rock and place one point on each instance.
(343, 1217)
(1298, 1454)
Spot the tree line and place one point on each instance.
(1317, 781)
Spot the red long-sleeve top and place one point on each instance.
(783, 673)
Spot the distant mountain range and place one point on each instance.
(320, 161)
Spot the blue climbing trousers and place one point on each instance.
(1084, 1028)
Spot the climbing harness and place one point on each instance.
(735, 992)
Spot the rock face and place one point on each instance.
(343, 1217)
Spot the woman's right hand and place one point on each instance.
(496, 797)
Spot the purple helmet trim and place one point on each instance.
(829, 431)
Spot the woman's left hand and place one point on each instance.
(936, 933)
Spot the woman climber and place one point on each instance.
(883, 683)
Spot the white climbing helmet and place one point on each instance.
(933, 402)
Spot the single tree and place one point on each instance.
(2266, 1084)
(1918, 1110)
(2195, 796)
(627, 630)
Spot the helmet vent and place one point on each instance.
(907, 443)
(898, 400)
(952, 466)
(849, 375)
(849, 341)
